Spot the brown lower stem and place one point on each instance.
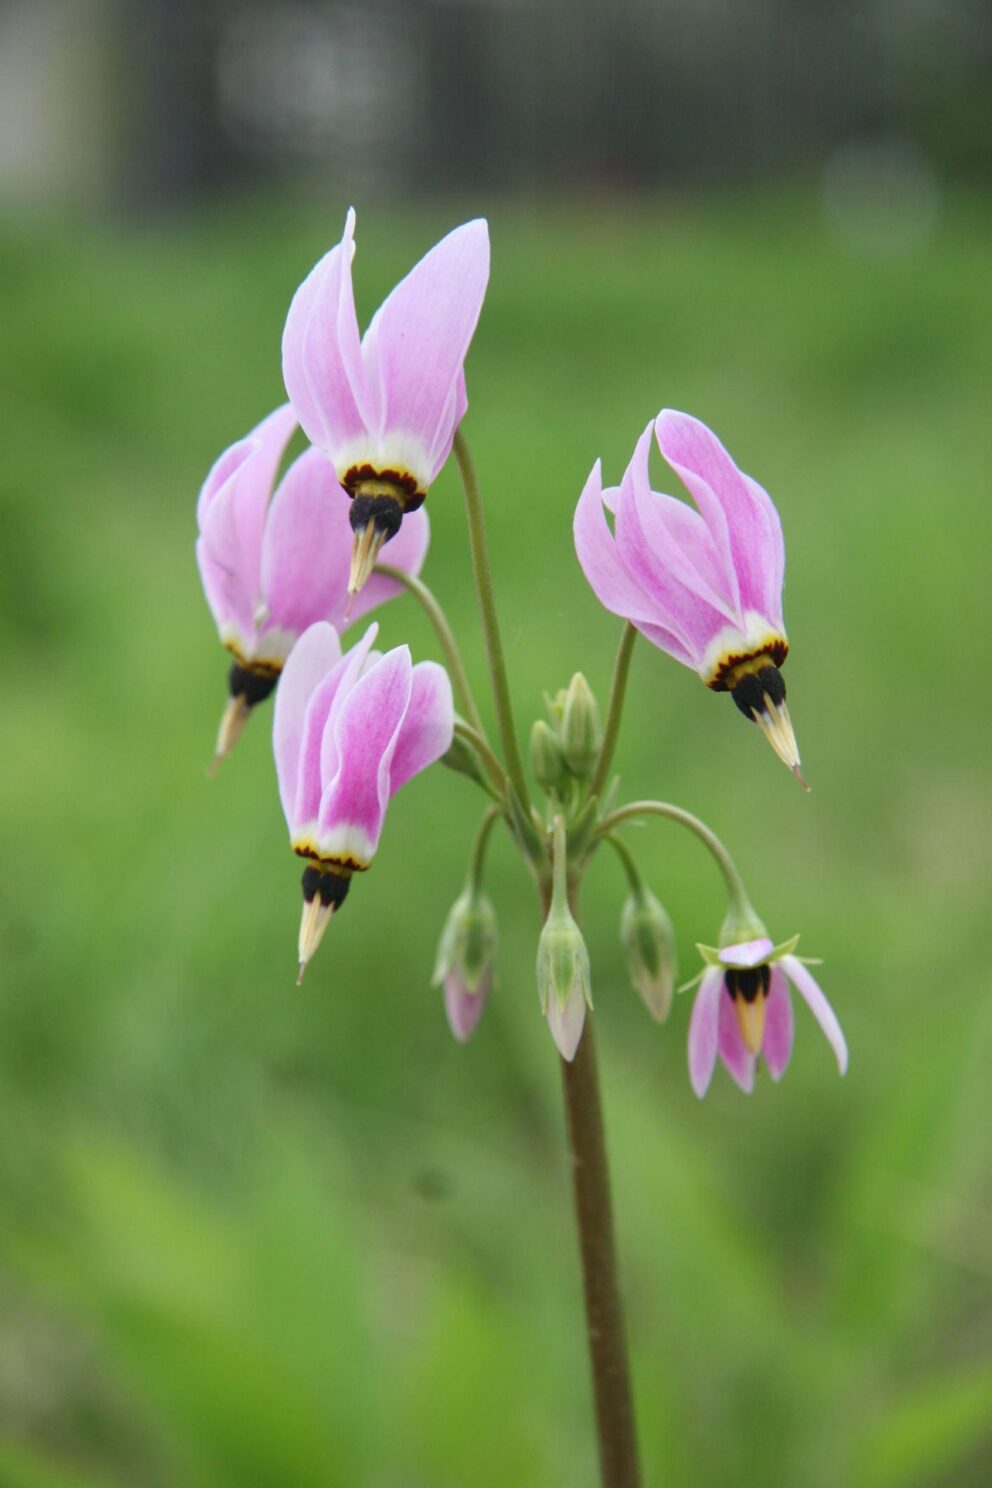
(604, 1311)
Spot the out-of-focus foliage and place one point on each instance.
(258, 1234)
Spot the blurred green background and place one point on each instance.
(255, 1234)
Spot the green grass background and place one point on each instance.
(255, 1235)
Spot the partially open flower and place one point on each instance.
(743, 1010)
(704, 585)
(271, 568)
(384, 407)
(348, 732)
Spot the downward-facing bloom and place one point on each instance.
(348, 732)
(271, 567)
(465, 960)
(704, 583)
(384, 408)
(743, 1010)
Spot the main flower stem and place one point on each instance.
(490, 622)
(614, 711)
(605, 1332)
(449, 646)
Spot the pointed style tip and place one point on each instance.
(776, 725)
(802, 779)
(302, 973)
(314, 921)
(232, 725)
(364, 554)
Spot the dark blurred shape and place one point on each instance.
(881, 196)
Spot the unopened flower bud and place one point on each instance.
(649, 945)
(581, 733)
(563, 980)
(546, 757)
(464, 964)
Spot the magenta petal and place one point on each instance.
(776, 1047)
(231, 514)
(464, 1008)
(733, 1050)
(417, 341)
(321, 352)
(428, 727)
(566, 1022)
(809, 990)
(704, 1029)
(407, 551)
(313, 656)
(306, 547)
(739, 514)
(366, 728)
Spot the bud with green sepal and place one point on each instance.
(546, 757)
(467, 949)
(581, 731)
(563, 978)
(648, 942)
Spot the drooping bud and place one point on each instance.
(546, 757)
(648, 942)
(581, 731)
(464, 964)
(563, 980)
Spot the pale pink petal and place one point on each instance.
(407, 551)
(313, 656)
(740, 515)
(325, 696)
(306, 547)
(357, 660)
(609, 580)
(810, 992)
(733, 1050)
(229, 598)
(566, 1022)
(704, 1030)
(675, 606)
(366, 729)
(464, 1008)
(747, 953)
(231, 515)
(776, 1046)
(427, 728)
(418, 339)
(321, 352)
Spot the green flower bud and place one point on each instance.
(462, 758)
(649, 945)
(545, 757)
(581, 732)
(563, 979)
(467, 946)
(741, 924)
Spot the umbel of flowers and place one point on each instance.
(288, 563)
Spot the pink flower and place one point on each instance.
(704, 585)
(384, 407)
(743, 1009)
(348, 732)
(270, 568)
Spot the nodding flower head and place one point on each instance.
(274, 564)
(384, 407)
(348, 732)
(703, 583)
(743, 1011)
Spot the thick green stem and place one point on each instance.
(490, 622)
(452, 656)
(726, 864)
(614, 712)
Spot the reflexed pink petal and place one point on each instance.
(313, 656)
(747, 953)
(228, 598)
(609, 580)
(429, 725)
(321, 352)
(679, 609)
(704, 1029)
(417, 341)
(740, 515)
(231, 513)
(809, 990)
(566, 1022)
(407, 550)
(306, 547)
(366, 728)
(733, 1050)
(464, 1008)
(776, 1047)
(323, 742)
